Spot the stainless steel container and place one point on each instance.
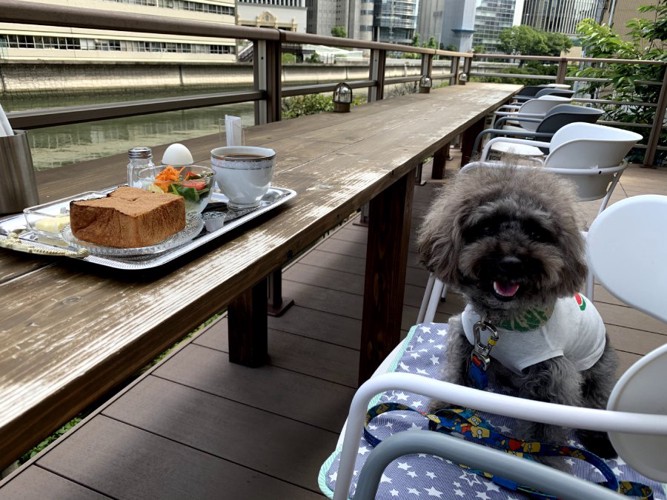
(18, 187)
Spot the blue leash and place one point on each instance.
(467, 424)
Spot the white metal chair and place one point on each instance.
(534, 108)
(589, 155)
(541, 129)
(625, 248)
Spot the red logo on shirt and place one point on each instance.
(581, 302)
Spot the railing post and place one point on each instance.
(658, 119)
(467, 65)
(267, 68)
(427, 65)
(454, 79)
(378, 64)
(562, 70)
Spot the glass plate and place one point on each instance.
(193, 226)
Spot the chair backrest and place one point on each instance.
(528, 92)
(636, 269)
(563, 114)
(555, 92)
(625, 246)
(589, 145)
(540, 106)
(537, 108)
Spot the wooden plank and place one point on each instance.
(14, 265)
(333, 357)
(122, 461)
(253, 438)
(279, 391)
(328, 278)
(344, 304)
(630, 318)
(35, 482)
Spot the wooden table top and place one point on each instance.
(70, 331)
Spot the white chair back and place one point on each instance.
(636, 270)
(625, 250)
(586, 145)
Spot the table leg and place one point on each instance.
(277, 303)
(386, 261)
(248, 326)
(439, 160)
(468, 140)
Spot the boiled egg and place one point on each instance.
(177, 154)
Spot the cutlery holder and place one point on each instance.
(18, 187)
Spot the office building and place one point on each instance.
(561, 16)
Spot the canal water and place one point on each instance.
(60, 146)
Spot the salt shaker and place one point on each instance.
(139, 157)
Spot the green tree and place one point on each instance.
(529, 41)
(338, 31)
(648, 39)
(315, 58)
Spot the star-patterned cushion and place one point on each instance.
(425, 476)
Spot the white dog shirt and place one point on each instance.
(575, 330)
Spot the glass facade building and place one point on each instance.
(560, 16)
(491, 17)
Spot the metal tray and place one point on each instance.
(15, 234)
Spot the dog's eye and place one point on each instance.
(479, 231)
(537, 232)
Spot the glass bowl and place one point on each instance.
(50, 218)
(193, 182)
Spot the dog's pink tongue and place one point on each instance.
(505, 289)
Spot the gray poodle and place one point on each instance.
(507, 238)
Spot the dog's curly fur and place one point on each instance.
(515, 226)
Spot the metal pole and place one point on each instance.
(658, 119)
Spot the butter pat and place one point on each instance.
(52, 224)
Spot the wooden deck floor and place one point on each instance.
(199, 427)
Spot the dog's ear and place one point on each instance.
(439, 239)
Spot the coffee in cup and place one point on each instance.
(243, 173)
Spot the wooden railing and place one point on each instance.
(267, 90)
(267, 49)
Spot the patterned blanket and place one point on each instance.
(426, 476)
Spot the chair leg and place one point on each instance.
(437, 294)
(425, 300)
(589, 286)
(434, 291)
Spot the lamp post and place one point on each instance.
(425, 84)
(342, 98)
(463, 78)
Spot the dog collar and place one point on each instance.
(529, 320)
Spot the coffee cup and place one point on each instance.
(243, 173)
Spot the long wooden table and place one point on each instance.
(70, 331)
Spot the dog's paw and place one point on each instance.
(597, 442)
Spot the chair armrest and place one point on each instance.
(528, 142)
(515, 133)
(537, 411)
(515, 117)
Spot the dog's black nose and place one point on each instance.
(510, 265)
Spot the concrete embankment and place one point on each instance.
(34, 78)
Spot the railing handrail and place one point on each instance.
(556, 59)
